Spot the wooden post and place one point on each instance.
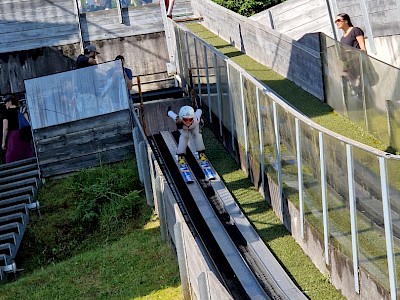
(142, 120)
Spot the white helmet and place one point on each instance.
(186, 112)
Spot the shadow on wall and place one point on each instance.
(21, 65)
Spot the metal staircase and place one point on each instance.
(19, 183)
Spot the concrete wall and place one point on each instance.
(39, 37)
(297, 18)
(284, 55)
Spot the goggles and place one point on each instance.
(187, 119)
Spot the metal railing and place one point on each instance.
(346, 190)
(362, 88)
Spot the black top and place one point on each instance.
(351, 39)
(12, 117)
(82, 61)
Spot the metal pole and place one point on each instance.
(324, 196)
(197, 68)
(208, 84)
(142, 118)
(246, 146)
(387, 217)
(353, 216)
(300, 175)
(260, 136)
(218, 94)
(278, 152)
(231, 108)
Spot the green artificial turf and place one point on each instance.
(298, 265)
(306, 103)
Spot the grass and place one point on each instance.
(96, 238)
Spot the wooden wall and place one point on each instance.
(32, 24)
(296, 18)
(86, 143)
(42, 37)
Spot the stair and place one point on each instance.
(19, 183)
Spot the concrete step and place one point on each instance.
(8, 249)
(28, 190)
(19, 163)
(18, 170)
(5, 260)
(18, 177)
(9, 238)
(18, 217)
(27, 199)
(15, 227)
(19, 208)
(19, 184)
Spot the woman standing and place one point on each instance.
(353, 37)
(17, 147)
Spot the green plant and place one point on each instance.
(247, 7)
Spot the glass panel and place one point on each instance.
(370, 224)
(338, 194)
(311, 176)
(393, 167)
(183, 55)
(77, 94)
(287, 133)
(235, 91)
(224, 92)
(362, 88)
(268, 135)
(250, 100)
(199, 70)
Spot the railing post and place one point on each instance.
(353, 216)
(324, 196)
(246, 146)
(197, 69)
(387, 217)
(300, 175)
(261, 140)
(208, 84)
(218, 94)
(231, 108)
(278, 153)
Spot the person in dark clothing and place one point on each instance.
(353, 37)
(88, 58)
(17, 147)
(128, 75)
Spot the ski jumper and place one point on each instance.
(184, 131)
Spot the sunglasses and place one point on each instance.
(339, 21)
(187, 119)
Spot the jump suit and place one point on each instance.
(194, 131)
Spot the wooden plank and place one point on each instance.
(12, 27)
(54, 31)
(92, 160)
(39, 43)
(85, 124)
(36, 12)
(68, 152)
(82, 137)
